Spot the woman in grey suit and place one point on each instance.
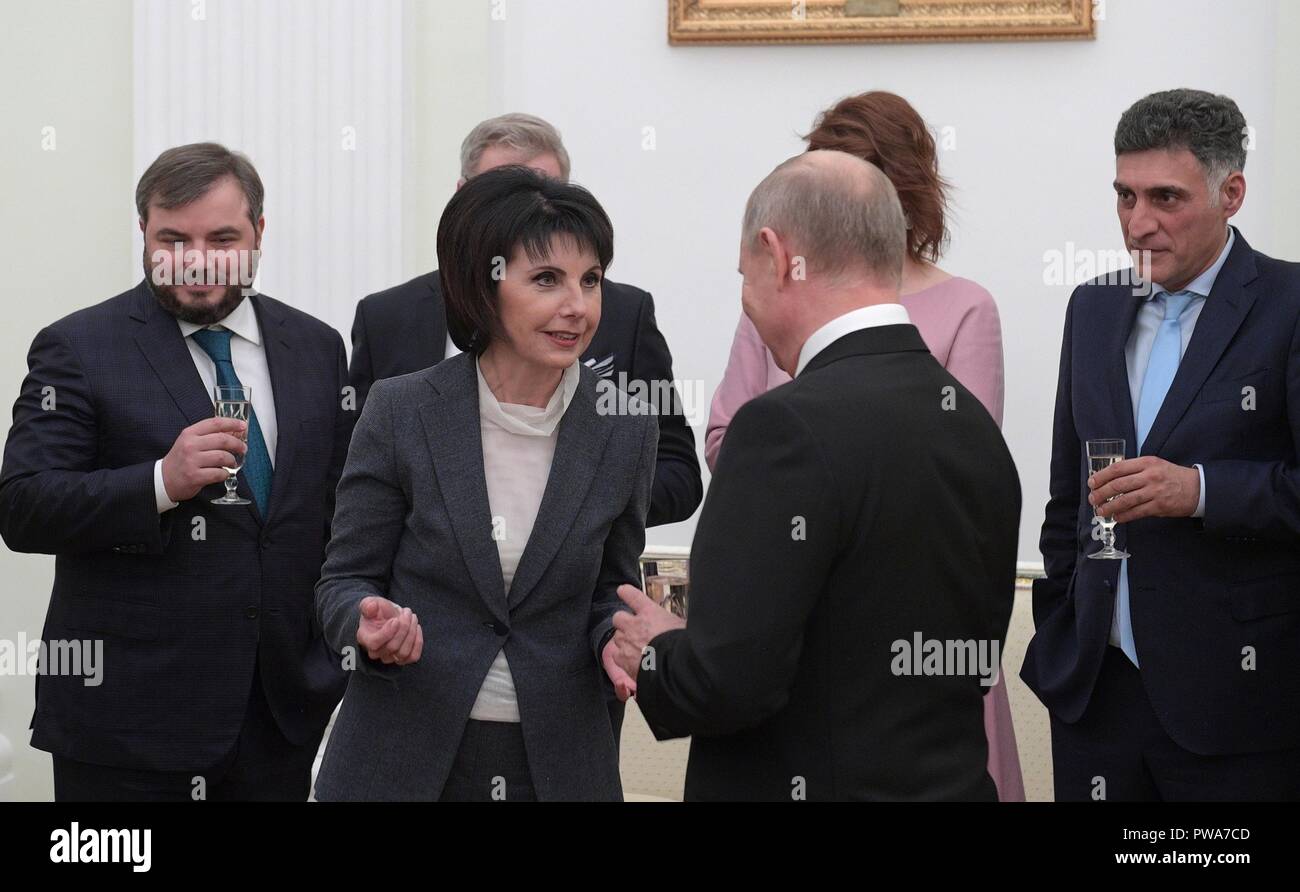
(489, 509)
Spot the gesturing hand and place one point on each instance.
(624, 685)
(633, 631)
(389, 633)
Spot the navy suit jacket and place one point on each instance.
(404, 329)
(1215, 601)
(188, 602)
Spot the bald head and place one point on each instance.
(836, 211)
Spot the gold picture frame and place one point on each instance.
(879, 21)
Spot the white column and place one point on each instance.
(312, 91)
(1286, 173)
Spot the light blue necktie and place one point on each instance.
(1166, 351)
(257, 461)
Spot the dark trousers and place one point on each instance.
(491, 765)
(262, 767)
(1119, 751)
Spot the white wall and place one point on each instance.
(1286, 222)
(1032, 163)
(451, 65)
(67, 243)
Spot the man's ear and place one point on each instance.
(462, 181)
(771, 244)
(1232, 194)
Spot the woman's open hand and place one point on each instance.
(389, 633)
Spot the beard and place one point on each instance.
(201, 314)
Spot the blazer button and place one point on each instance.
(499, 628)
(250, 612)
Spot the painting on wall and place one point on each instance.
(866, 21)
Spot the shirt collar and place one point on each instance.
(528, 420)
(242, 321)
(854, 320)
(1202, 284)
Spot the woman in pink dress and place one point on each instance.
(957, 318)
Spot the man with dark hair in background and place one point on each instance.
(217, 682)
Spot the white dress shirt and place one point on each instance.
(518, 446)
(1137, 352)
(854, 320)
(249, 359)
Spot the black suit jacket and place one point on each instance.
(189, 601)
(1205, 594)
(404, 329)
(851, 510)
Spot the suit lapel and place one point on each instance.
(1115, 365)
(1224, 310)
(290, 397)
(163, 345)
(579, 445)
(451, 427)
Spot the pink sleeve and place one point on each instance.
(976, 355)
(744, 379)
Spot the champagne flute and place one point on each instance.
(1102, 454)
(233, 402)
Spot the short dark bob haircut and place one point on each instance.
(487, 220)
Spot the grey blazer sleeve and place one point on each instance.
(625, 542)
(369, 512)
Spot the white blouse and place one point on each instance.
(518, 445)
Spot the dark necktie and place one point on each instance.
(257, 461)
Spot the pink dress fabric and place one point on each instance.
(958, 321)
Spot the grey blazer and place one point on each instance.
(412, 524)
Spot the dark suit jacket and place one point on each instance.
(1201, 590)
(414, 526)
(404, 329)
(849, 510)
(188, 601)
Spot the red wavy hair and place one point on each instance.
(884, 129)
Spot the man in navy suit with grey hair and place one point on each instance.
(1174, 673)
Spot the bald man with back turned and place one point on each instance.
(854, 565)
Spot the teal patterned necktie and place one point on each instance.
(257, 461)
